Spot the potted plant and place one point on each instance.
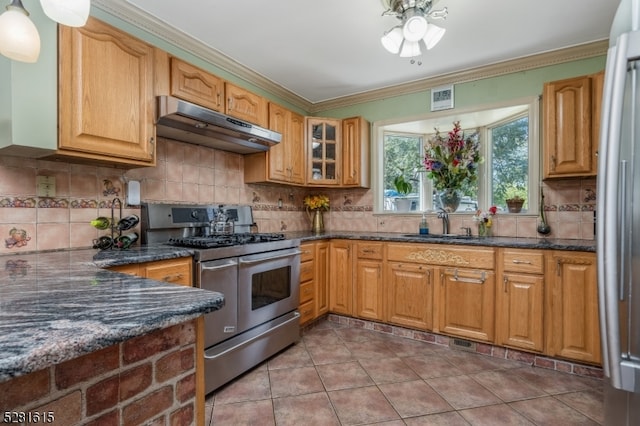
(514, 199)
(403, 188)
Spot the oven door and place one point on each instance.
(221, 276)
(268, 286)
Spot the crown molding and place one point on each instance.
(134, 16)
(583, 51)
(157, 28)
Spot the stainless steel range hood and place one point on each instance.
(186, 122)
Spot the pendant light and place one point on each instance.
(416, 32)
(19, 38)
(72, 13)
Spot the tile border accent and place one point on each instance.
(532, 359)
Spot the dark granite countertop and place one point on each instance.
(139, 254)
(56, 306)
(532, 243)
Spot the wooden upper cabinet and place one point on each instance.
(106, 96)
(355, 152)
(324, 151)
(571, 125)
(243, 104)
(195, 85)
(284, 162)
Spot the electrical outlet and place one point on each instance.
(45, 186)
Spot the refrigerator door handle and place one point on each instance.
(609, 228)
(624, 239)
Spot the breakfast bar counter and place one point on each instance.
(55, 306)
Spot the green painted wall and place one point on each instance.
(486, 91)
(29, 93)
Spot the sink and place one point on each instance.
(426, 236)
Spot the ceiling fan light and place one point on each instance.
(410, 49)
(73, 13)
(415, 28)
(19, 38)
(433, 36)
(392, 40)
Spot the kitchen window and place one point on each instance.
(509, 145)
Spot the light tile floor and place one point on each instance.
(341, 375)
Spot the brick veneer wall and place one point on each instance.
(149, 379)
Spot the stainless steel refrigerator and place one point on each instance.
(618, 224)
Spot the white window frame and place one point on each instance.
(484, 179)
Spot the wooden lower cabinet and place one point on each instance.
(307, 284)
(322, 278)
(314, 293)
(340, 277)
(520, 299)
(175, 271)
(572, 303)
(409, 295)
(541, 301)
(368, 292)
(467, 303)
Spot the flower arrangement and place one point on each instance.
(453, 160)
(316, 202)
(485, 218)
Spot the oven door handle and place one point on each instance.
(230, 264)
(266, 259)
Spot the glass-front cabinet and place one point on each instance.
(324, 146)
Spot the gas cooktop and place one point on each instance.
(224, 240)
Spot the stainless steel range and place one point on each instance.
(259, 275)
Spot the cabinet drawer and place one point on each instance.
(306, 271)
(444, 255)
(174, 271)
(306, 312)
(306, 291)
(528, 261)
(307, 252)
(369, 251)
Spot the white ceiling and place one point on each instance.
(328, 49)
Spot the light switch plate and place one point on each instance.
(45, 186)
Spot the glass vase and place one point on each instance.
(450, 199)
(484, 230)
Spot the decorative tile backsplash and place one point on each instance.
(193, 174)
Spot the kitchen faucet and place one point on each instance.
(442, 214)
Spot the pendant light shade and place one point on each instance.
(410, 49)
(19, 38)
(73, 13)
(392, 40)
(433, 36)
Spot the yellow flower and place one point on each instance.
(316, 202)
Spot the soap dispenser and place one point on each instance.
(424, 227)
